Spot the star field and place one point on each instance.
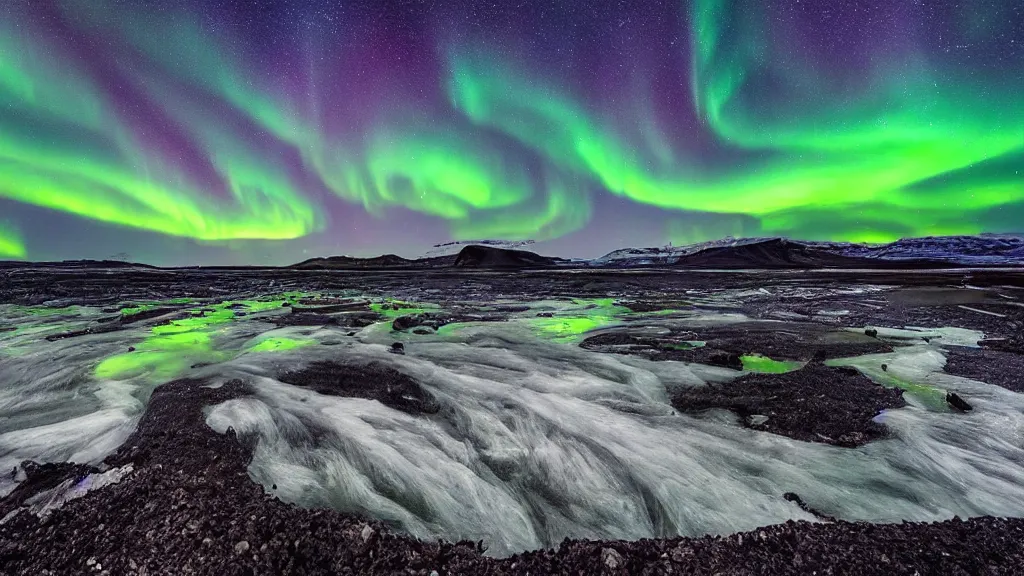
(264, 131)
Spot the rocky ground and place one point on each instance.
(188, 507)
(373, 381)
(816, 404)
(186, 504)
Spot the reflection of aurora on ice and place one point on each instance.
(764, 132)
(536, 439)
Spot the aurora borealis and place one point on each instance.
(262, 132)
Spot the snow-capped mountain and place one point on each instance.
(982, 250)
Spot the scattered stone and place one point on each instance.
(954, 400)
(795, 498)
(757, 419)
(871, 332)
(726, 360)
(611, 558)
(242, 547)
(131, 348)
(397, 348)
(885, 367)
(366, 533)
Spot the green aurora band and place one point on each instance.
(99, 181)
(872, 167)
(917, 149)
(11, 245)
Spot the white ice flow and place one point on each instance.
(538, 441)
(535, 440)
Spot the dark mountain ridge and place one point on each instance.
(779, 253)
(983, 251)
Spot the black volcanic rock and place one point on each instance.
(816, 404)
(490, 257)
(373, 381)
(954, 400)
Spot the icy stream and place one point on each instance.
(536, 439)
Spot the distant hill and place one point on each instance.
(454, 247)
(473, 256)
(779, 253)
(73, 264)
(378, 262)
(490, 257)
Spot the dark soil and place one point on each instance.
(190, 508)
(997, 367)
(816, 403)
(373, 381)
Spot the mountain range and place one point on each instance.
(933, 252)
(987, 250)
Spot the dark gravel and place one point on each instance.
(997, 367)
(816, 403)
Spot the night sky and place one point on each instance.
(267, 132)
